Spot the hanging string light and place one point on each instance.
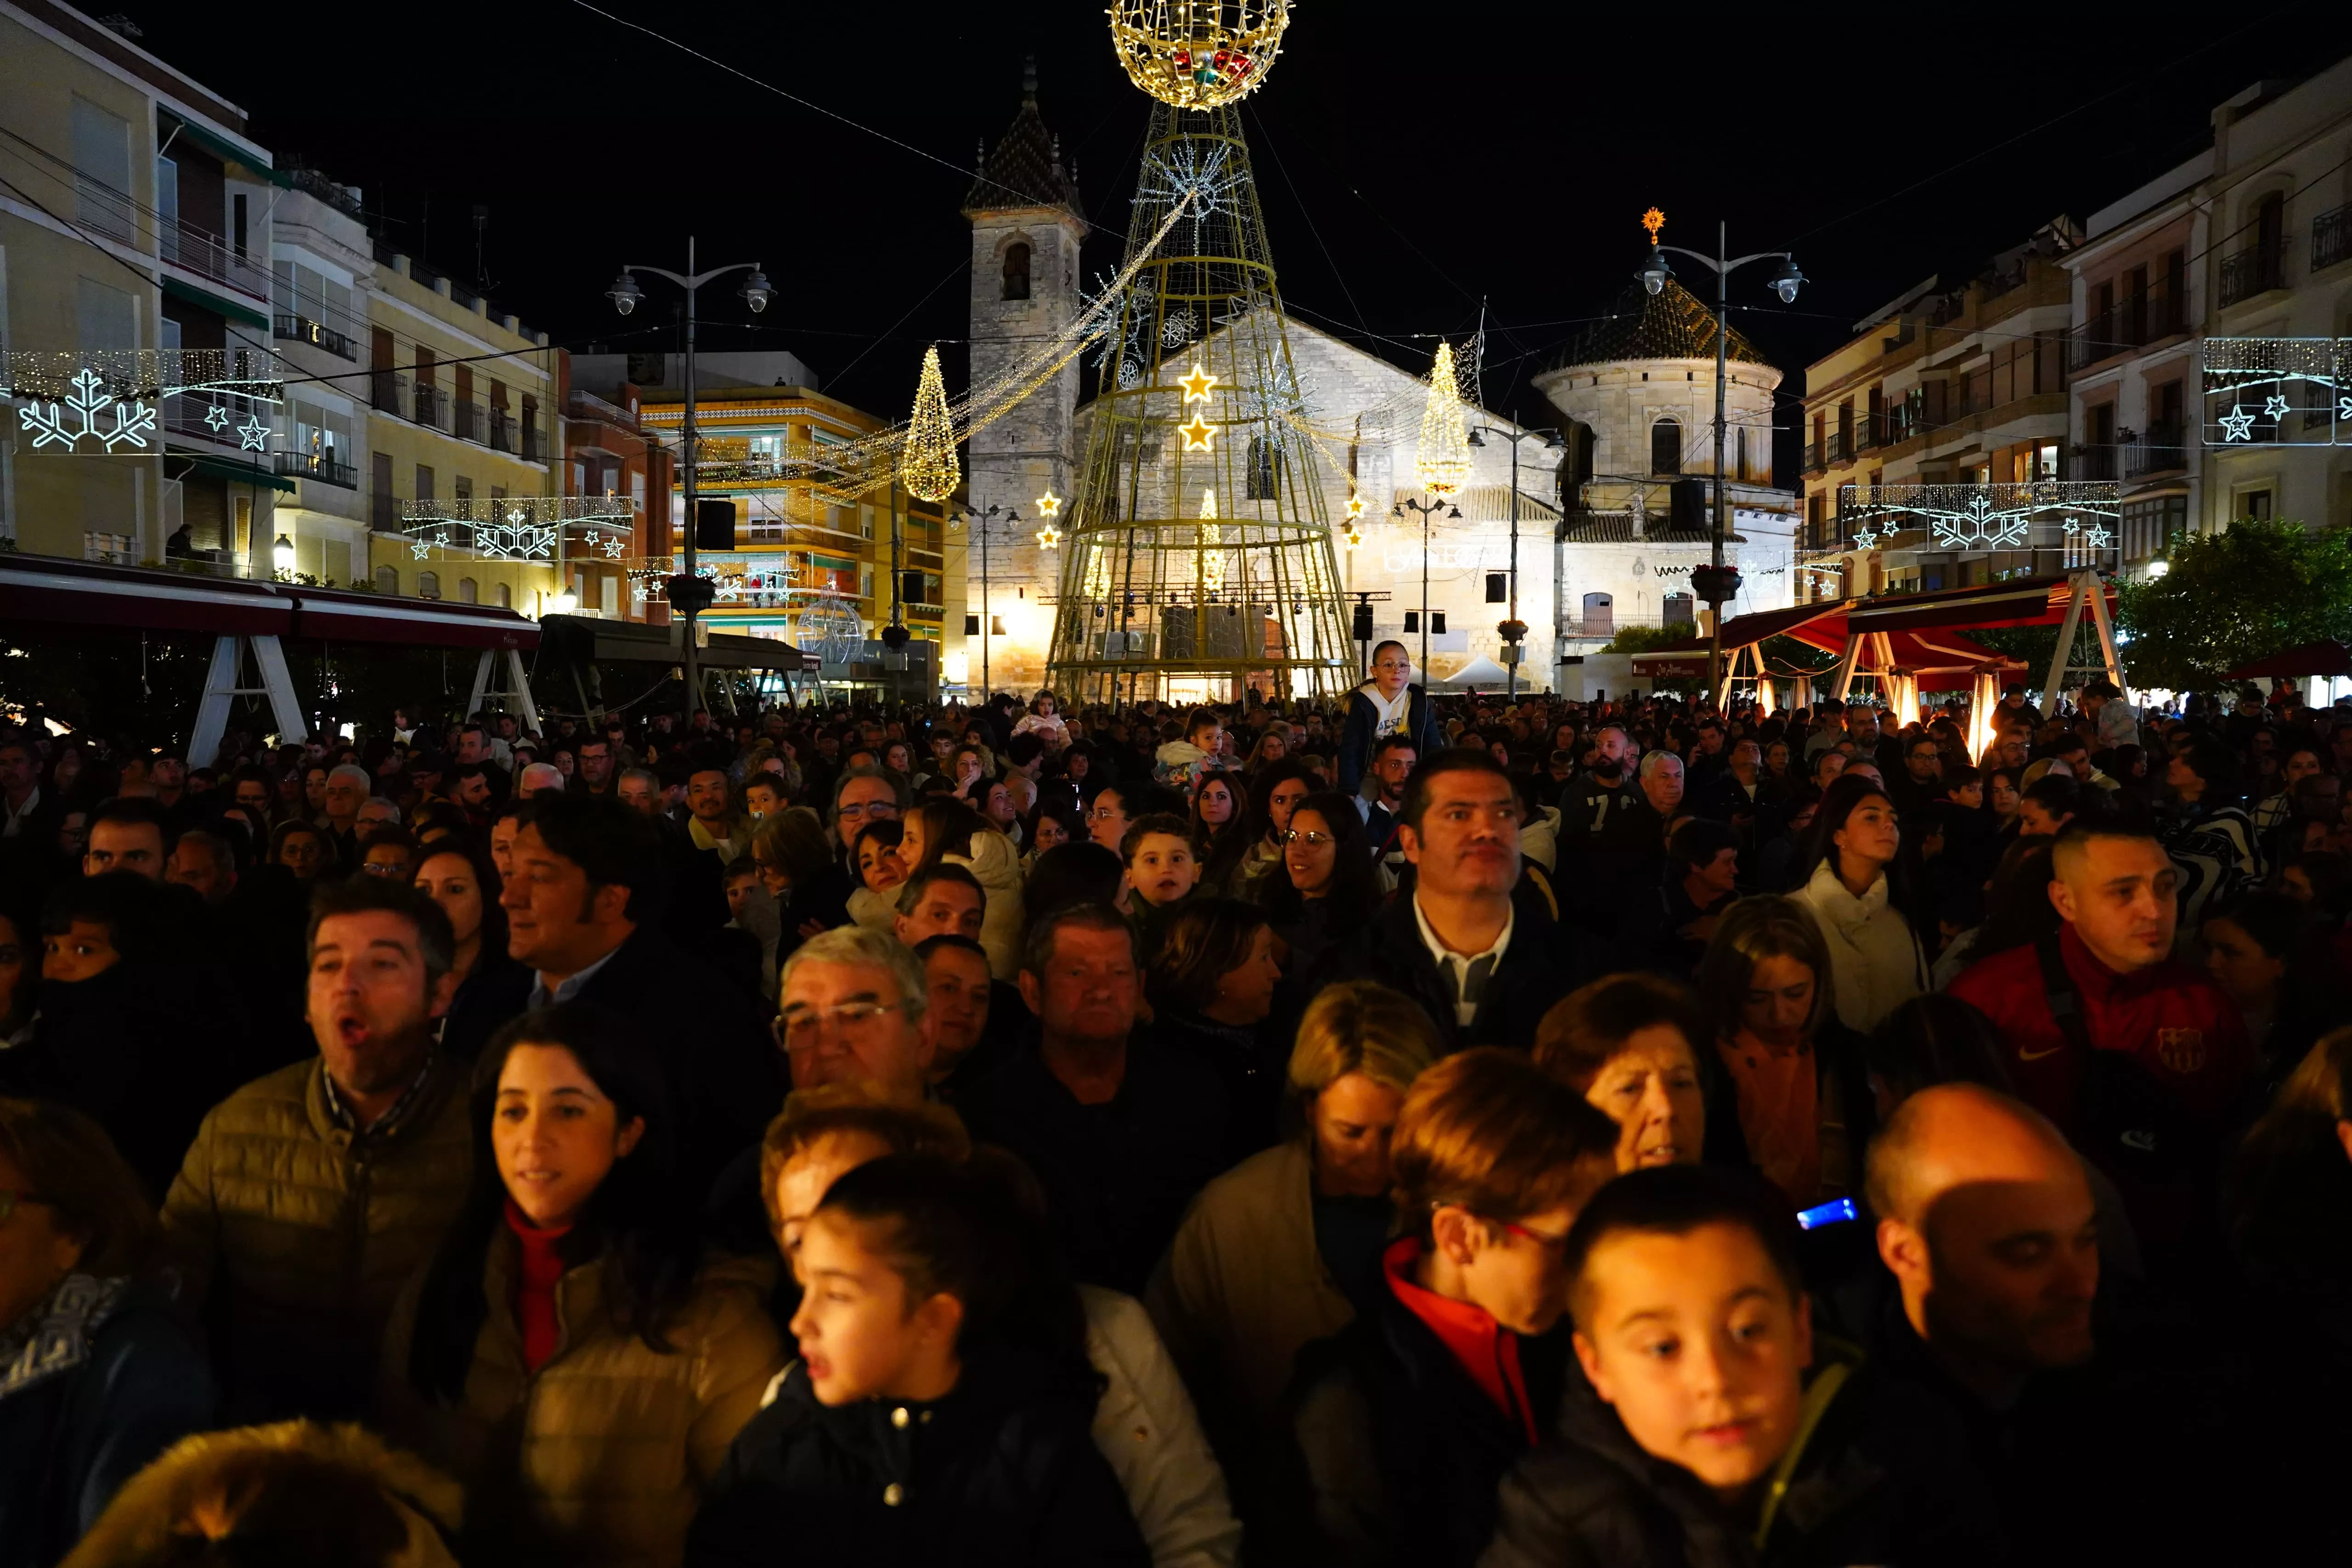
(1444, 460)
(932, 471)
(1212, 541)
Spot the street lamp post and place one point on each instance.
(1517, 629)
(979, 522)
(688, 594)
(1424, 508)
(1715, 583)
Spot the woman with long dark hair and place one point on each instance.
(1326, 889)
(1220, 835)
(463, 883)
(1852, 887)
(565, 1356)
(1274, 792)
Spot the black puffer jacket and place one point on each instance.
(1882, 1477)
(994, 1476)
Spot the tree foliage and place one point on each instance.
(1642, 639)
(2257, 589)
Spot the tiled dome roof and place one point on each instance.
(1670, 324)
(1025, 168)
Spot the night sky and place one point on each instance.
(1408, 170)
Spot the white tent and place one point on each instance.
(1483, 673)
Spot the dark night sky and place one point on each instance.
(1402, 179)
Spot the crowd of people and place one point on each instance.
(1411, 1130)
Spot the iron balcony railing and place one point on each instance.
(534, 441)
(2248, 273)
(387, 391)
(2162, 450)
(300, 328)
(432, 406)
(588, 405)
(208, 255)
(466, 420)
(1813, 464)
(319, 466)
(504, 434)
(2331, 237)
(2094, 462)
(2129, 323)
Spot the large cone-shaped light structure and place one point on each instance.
(1444, 464)
(929, 468)
(1166, 592)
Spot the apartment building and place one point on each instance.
(135, 236)
(2212, 340)
(1944, 387)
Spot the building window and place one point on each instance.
(2256, 506)
(505, 597)
(1679, 612)
(1498, 587)
(1599, 616)
(1666, 447)
(1263, 479)
(424, 482)
(468, 592)
(1016, 272)
(1815, 536)
(429, 584)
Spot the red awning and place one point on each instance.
(333, 615)
(2020, 601)
(2313, 659)
(51, 590)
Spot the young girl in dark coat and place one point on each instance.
(941, 1406)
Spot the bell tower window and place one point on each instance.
(1016, 272)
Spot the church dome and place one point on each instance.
(1670, 324)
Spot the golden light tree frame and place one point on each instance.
(1199, 555)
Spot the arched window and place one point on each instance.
(1666, 447)
(1016, 271)
(1599, 616)
(1263, 481)
(506, 597)
(387, 580)
(429, 584)
(468, 593)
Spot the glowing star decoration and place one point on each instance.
(2097, 536)
(1355, 511)
(930, 470)
(1445, 459)
(1352, 538)
(1049, 537)
(253, 435)
(134, 422)
(216, 418)
(1199, 434)
(1197, 385)
(1863, 539)
(2237, 425)
(1049, 504)
(2274, 407)
(1197, 54)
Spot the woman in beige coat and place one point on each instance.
(1273, 1251)
(564, 1357)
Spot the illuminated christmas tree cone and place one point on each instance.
(1198, 558)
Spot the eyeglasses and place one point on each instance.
(854, 810)
(1556, 1245)
(9, 1200)
(1311, 837)
(799, 1031)
(1103, 814)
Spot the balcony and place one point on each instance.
(2094, 463)
(2331, 237)
(534, 442)
(466, 420)
(384, 512)
(208, 256)
(2129, 323)
(2162, 450)
(297, 328)
(1840, 447)
(1813, 464)
(588, 405)
(432, 407)
(387, 391)
(505, 435)
(319, 465)
(2248, 273)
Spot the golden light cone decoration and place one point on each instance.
(1198, 54)
(1212, 541)
(930, 470)
(1444, 460)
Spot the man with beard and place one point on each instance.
(311, 1195)
(1612, 841)
(1484, 966)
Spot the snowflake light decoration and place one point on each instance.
(1176, 328)
(134, 422)
(1209, 182)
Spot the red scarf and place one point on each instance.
(534, 1302)
(1489, 1351)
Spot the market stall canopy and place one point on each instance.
(2311, 658)
(589, 640)
(1920, 631)
(1478, 672)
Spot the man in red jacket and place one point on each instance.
(2114, 893)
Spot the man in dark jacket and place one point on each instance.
(579, 911)
(1480, 962)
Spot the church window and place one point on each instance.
(1264, 481)
(1016, 272)
(1666, 447)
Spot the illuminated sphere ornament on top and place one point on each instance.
(930, 470)
(1444, 460)
(831, 629)
(1198, 54)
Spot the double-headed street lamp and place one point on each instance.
(1713, 583)
(1424, 508)
(689, 595)
(980, 527)
(1514, 629)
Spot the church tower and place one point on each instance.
(1026, 224)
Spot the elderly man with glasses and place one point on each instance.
(850, 1008)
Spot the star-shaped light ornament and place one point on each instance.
(1353, 537)
(252, 435)
(1197, 385)
(2275, 406)
(1355, 511)
(1199, 434)
(1049, 504)
(1049, 537)
(2098, 536)
(2237, 425)
(216, 418)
